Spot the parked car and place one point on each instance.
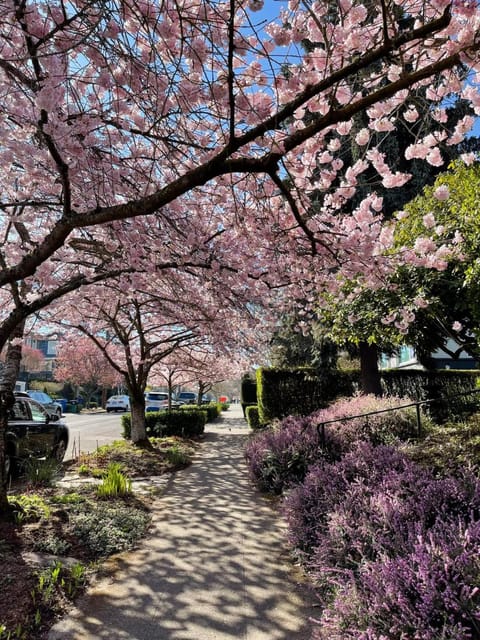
(186, 397)
(32, 432)
(156, 400)
(118, 403)
(54, 408)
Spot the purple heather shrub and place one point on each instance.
(353, 425)
(280, 456)
(374, 501)
(430, 592)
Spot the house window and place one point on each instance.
(51, 348)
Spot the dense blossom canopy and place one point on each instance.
(140, 135)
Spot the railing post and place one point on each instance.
(419, 419)
(321, 433)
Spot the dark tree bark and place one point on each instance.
(8, 378)
(369, 372)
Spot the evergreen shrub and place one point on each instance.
(252, 417)
(248, 393)
(182, 422)
(399, 544)
(448, 388)
(299, 391)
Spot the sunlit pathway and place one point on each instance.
(214, 567)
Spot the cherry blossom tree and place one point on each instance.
(128, 121)
(82, 364)
(200, 366)
(136, 332)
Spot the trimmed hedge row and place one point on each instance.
(300, 391)
(170, 423)
(252, 417)
(248, 393)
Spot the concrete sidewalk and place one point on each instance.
(215, 565)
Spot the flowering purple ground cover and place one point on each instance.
(393, 547)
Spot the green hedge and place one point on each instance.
(441, 386)
(248, 393)
(213, 409)
(253, 417)
(299, 391)
(170, 423)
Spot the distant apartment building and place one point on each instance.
(47, 345)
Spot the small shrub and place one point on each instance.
(253, 417)
(29, 507)
(107, 529)
(188, 421)
(281, 455)
(115, 483)
(428, 592)
(52, 544)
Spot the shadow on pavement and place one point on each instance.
(215, 565)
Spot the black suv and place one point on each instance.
(32, 433)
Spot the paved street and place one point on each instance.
(89, 431)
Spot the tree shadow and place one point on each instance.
(215, 564)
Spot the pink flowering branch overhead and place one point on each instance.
(134, 132)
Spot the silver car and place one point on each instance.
(53, 408)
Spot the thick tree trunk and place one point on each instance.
(201, 391)
(369, 372)
(137, 410)
(8, 378)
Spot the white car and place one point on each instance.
(156, 400)
(118, 403)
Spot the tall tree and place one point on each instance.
(113, 111)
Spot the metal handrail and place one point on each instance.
(417, 405)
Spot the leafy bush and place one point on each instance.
(29, 507)
(253, 417)
(281, 455)
(105, 529)
(213, 410)
(187, 421)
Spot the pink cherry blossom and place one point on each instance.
(442, 193)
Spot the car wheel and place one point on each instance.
(60, 450)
